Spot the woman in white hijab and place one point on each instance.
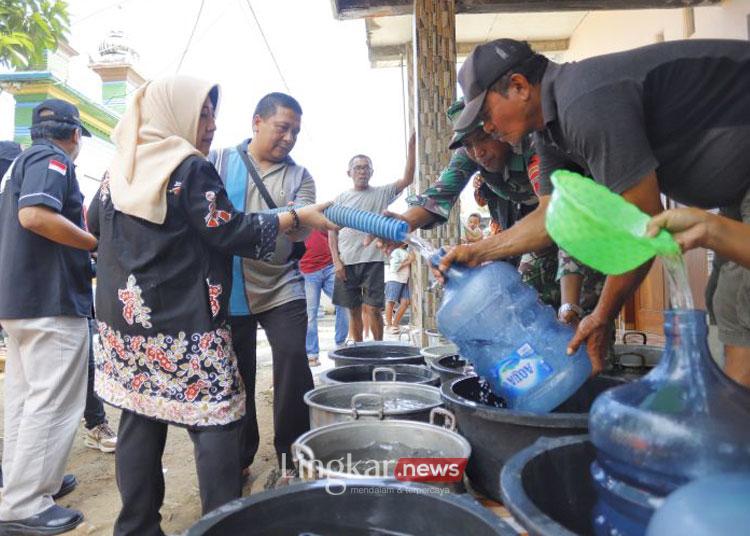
(167, 233)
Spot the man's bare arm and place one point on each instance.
(693, 228)
(595, 328)
(411, 164)
(55, 227)
(333, 245)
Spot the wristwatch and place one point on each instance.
(565, 307)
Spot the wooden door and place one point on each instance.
(650, 300)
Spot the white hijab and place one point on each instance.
(157, 132)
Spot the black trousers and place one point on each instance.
(286, 328)
(93, 413)
(140, 445)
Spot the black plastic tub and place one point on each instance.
(368, 373)
(352, 508)
(451, 367)
(376, 353)
(548, 486)
(496, 434)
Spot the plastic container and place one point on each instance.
(496, 433)
(600, 228)
(352, 508)
(514, 341)
(547, 488)
(682, 421)
(385, 353)
(716, 504)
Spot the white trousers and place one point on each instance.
(45, 393)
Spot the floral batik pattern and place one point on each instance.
(214, 291)
(176, 189)
(215, 216)
(104, 188)
(134, 309)
(190, 380)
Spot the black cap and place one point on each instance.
(485, 64)
(60, 111)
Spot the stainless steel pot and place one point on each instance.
(371, 401)
(636, 356)
(366, 449)
(435, 338)
(450, 367)
(433, 353)
(395, 373)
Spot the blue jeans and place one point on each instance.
(314, 283)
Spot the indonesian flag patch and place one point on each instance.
(56, 165)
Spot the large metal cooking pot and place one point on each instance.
(638, 358)
(371, 401)
(376, 353)
(433, 353)
(366, 373)
(434, 337)
(450, 367)
(367, 449)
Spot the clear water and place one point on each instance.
(421, 246)
(404, 404)
(680, 294)
(378, 452)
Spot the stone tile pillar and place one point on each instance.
(434, 83)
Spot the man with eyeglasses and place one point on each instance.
(360, 272)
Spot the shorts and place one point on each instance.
(365, 283)
(395, 291)
(731, 301)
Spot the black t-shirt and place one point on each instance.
(681, 108)
(38, 277)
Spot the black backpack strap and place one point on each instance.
(242, 149)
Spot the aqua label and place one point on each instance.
(523, 370)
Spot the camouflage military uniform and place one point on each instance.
(512, 186)
(510, 196)
(593, 281)
(538, 270)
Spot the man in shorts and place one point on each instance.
(360, 274)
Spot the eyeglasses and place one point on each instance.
(361, 168)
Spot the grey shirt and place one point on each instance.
(681, 109)
(375, 199)
(279, 281)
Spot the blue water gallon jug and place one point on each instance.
(717, 504)
(513, 340)
(682, 421)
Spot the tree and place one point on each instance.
(30, 28)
